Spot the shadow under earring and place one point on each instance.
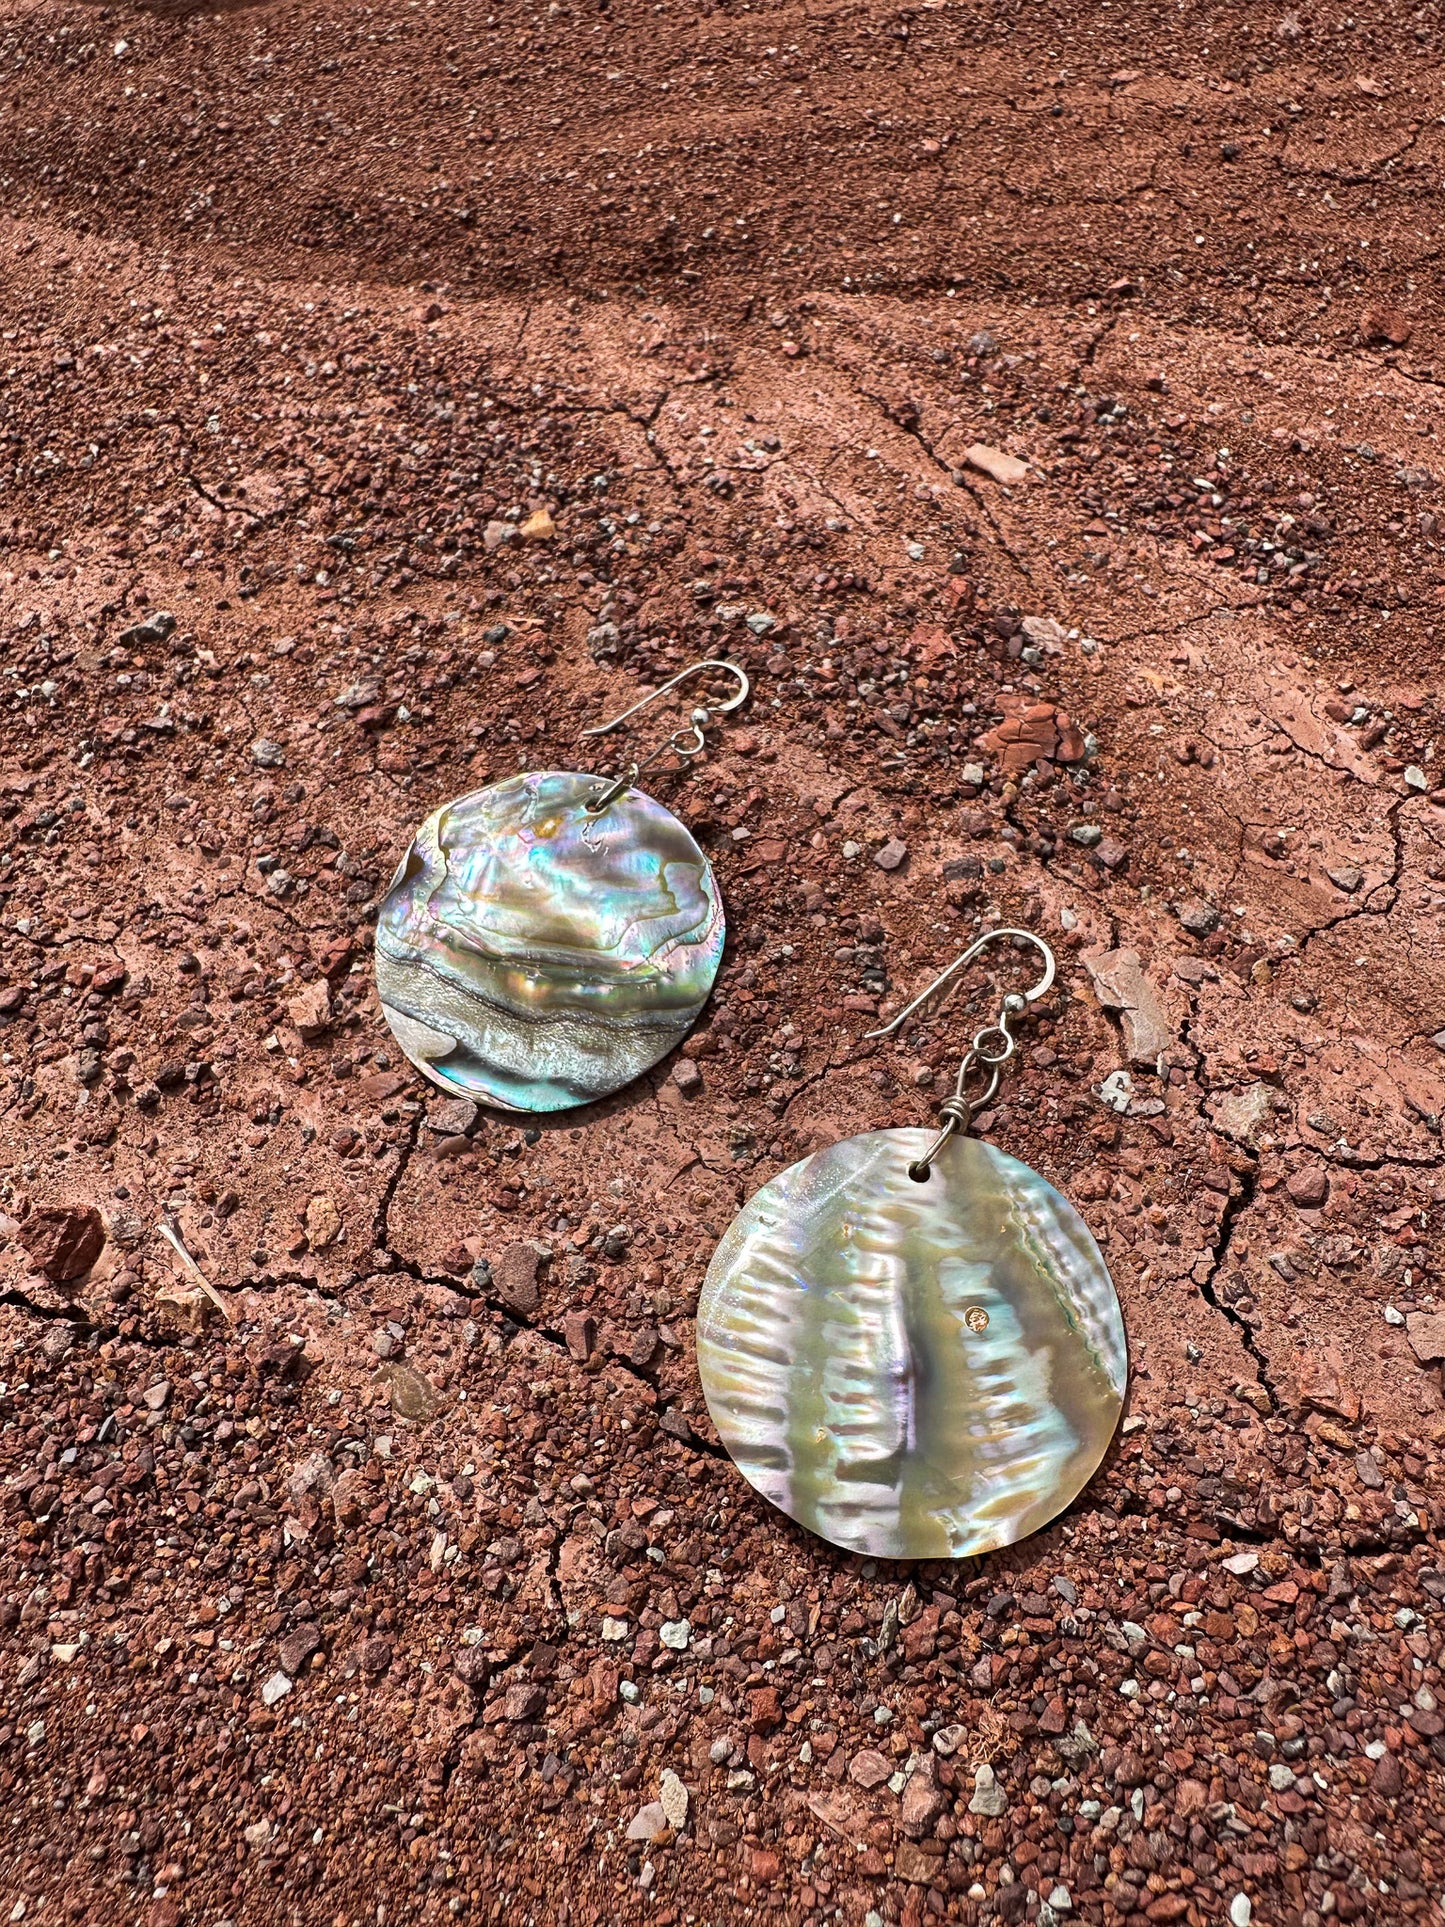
(547, 939)
(909, 1341)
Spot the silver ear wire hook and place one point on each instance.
(992, 1046)
(1040, 989)
(686, 743)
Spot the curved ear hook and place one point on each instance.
(989, 1051)
(686, 742)
(961, 963)
(694, 669)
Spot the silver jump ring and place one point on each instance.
(1010, 1044)
(679, 741)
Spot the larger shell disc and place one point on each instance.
(916, 1371)
(533, 956)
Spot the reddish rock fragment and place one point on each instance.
(1324, 1384)
(931, 642)
(64, 1240)
(1426, 1333)
(1308, 1188)
(923, 1801)
(1024, 739)
(1386, 327)
(381, 1085)
(524, 1700)
(1167, 1907)
(869, 1768)
(298, 1646)
(765, 1710)
(1111, 854)
(351, 1498)
(1072, 748)
(1387, 1779)
(579, 1329)
(310, 1011)
(1055, 1717)
(471, 1667)
(917, 1864)
(514, 1275)
(919, 1637)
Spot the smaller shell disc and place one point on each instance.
(916, 1371)
(533, 956)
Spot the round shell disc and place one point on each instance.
(532, 956)
(916, 1371)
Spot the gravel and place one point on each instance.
(371, 1573)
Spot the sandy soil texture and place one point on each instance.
(1045, 406)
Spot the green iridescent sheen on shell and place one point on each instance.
(916, 1371)
(533, 956)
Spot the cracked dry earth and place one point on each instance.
(1046, 412)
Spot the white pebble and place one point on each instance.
(276, 1688)
(674, 1799)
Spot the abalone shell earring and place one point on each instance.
(547, 939)
(909, 1342)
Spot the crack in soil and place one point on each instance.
(225, 508)
(1233, 1210)
(960, 480)
(80, 1322)
(1368, 907)
(52, 1314)
(500, 1308)
(380, 1225)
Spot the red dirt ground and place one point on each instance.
(346, 1602)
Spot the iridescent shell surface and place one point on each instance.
(533, 956)
(916, 1371)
